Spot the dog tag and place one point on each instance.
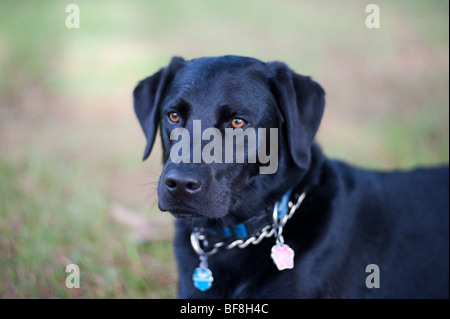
(202, 278)
(283, 256)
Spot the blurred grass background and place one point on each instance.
(72, 186)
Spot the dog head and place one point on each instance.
(237, 133)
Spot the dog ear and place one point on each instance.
(302, 102)
(148, 94)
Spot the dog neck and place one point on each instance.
(232, 227)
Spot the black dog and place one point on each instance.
(354, 233)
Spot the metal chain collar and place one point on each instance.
(198, 239)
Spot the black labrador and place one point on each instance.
(263, 213)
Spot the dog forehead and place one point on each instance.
(221, 81)
(223, 64)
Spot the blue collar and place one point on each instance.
(283, 204)
(251, 226)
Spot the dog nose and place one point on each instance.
(182, 182)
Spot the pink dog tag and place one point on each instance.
(283, 256)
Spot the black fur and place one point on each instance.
(349, 219)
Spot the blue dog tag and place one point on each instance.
(202, 278)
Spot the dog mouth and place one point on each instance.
(185, 213)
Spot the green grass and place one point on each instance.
(51, 217)
(70, 145)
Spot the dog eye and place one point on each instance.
(174, 117)
(237, 122)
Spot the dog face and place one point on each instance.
(209, 172)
